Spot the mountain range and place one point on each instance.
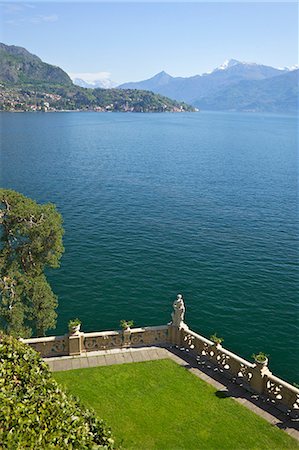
(29, 84)
(233, 86)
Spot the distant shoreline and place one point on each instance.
(248, 113)
(98, 112)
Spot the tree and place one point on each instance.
(31, 240)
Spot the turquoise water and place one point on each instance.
(156, 204)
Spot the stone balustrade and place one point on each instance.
(281, 394)
(254, 377)
(135, 337)
(50, 346)
(226, 362)
(73, 344)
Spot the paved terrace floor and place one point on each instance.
(207, 372)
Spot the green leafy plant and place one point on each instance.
(260, 357)
(31, 241)
(216, 338)
(35, 412)
(74, 323)
(125, 324)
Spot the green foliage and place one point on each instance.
(216, 338)
(260, 357)
(35, 412)
(31, 241)
(74, 323)
(126, 324)
(20, 66)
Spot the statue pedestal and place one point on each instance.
(175, 335)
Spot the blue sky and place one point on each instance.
(133, 41)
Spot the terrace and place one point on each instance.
(181, 391)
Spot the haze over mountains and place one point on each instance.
(235, 85)
(88, 80)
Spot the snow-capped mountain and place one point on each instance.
(105, 84)
(290, 68)
(93, 80)
(232, 73)
(227, 64)
(191, 89)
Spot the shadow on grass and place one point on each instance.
(222, 394)
(227, 388)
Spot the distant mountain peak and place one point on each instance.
(162, 74)
(104, 83)
(203, 90)
(228, 63)
(161, 80)
(289, 68)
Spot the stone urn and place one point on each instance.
(216, 340)
(75, 329)
(74, 326)
(262, 363)
(261, 360)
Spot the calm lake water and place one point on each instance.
(155, 204)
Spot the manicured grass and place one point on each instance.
(160, 405)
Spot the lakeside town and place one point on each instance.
(25, 100)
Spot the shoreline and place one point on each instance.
(104, 112)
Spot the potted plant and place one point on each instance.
(74, 326)
(216, 339)
(126, 324)
(261, 358)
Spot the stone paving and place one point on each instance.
(225, 388)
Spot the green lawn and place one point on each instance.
(160, 405)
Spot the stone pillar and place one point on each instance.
(257, 382)
(127, 337)
(174, 335)
(75, 344)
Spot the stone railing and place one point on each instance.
(254, 377)
(50, 346)
(225, 362)
(78, 343)
(136, 337)
(283, 395)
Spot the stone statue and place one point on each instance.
(179, 311)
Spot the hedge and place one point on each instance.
(35, 413)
